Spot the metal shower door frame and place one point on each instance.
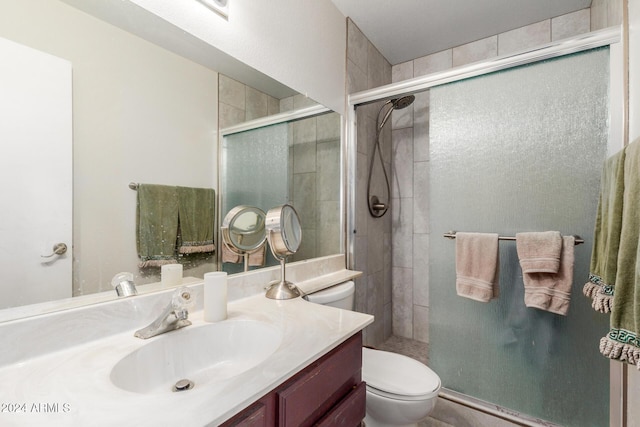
(611, 37)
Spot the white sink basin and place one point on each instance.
(202, 354)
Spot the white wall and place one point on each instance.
(299, 43)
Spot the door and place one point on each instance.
(35, 175)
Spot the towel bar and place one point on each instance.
(452, 235)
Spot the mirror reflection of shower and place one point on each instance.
(377, 207)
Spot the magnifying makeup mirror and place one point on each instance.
(243, 231)
(285, 235)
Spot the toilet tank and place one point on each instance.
(340, 296)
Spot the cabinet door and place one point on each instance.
(349, 412)
(317, 389)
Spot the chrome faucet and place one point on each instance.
(174, 316)
(124, 285)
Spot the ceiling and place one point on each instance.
(403, 30)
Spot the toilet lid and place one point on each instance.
(398, 376)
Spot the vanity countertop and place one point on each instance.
(72, 386)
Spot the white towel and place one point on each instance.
(477, 266)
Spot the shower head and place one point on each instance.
(396, 104)
(404, 102)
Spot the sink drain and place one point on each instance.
(183, 385)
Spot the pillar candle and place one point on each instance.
(171, 275)
(215, 296)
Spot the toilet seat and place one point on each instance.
(396, 376)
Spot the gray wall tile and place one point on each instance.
(433, 63)
(402, 302)
(421, 323)
(229, 115)
(328, 168)
(328, 127)
(257, 103)
(231, 92)
(525, 37)
(403, 71)
(570, 24)
(357, 46)
(475, 51)
(402, 169)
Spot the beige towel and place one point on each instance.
(552, 291)
(477, 266)
(539, 252)
(256, 259)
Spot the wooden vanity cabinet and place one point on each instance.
(328, 392)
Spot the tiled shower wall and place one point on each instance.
(239, 103)
(315, 190)
(410, 138)
(366, 69)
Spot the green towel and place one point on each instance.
(197, 214)
(156, 224)
(623, 340)
(606, 240)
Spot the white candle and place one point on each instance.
(215, 296)
(171, 275)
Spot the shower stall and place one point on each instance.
(515, 144)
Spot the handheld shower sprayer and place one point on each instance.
(378, 208)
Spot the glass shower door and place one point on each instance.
(513, 151)
(255, 168)
(255, 171)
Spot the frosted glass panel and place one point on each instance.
(513, 151)
(255, 170)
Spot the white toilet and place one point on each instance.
(400, 390)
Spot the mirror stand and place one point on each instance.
(284, 235)
(282, 289)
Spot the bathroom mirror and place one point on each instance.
(285, 232)
(244, 236)
(285, 236)
(145, 110)
(244, 228)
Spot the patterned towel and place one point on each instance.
(606, 239)
(196, 210)
(156, 225)
(623, 340)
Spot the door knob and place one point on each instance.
(58, 249)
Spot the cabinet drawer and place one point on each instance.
(350, 411)
(320, 386)
(260, 414)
